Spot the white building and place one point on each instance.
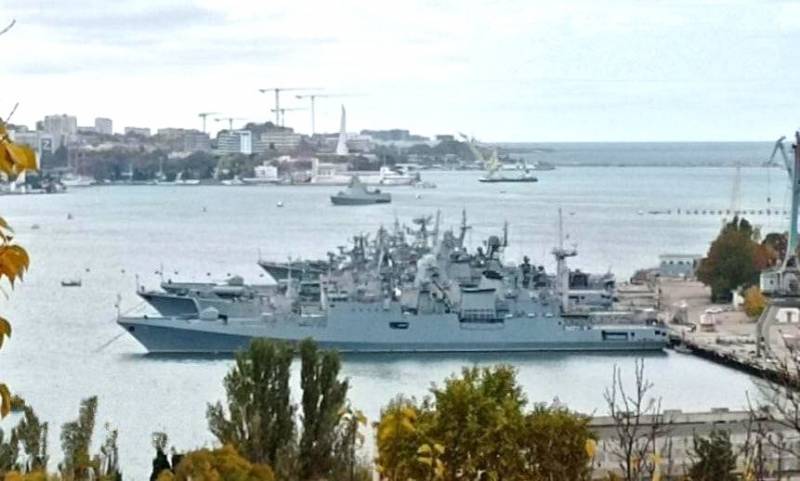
(62, 127)
(235, 142)
(103, 126)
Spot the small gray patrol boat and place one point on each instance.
(357, 193)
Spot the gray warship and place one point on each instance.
(407, 291)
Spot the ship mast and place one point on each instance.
(562, 271)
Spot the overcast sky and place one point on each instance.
(502, 71)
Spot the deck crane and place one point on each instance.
(278, 91)
(283, 114)
(230, 120)
(203, 116)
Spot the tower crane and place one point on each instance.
(230, 120)
(203, 116)
(312, 98)
(283, 114)
(278, 91)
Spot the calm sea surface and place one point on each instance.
(57, 355)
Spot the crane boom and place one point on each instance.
(780, 147)
(278, 91)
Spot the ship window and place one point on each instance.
(398, 325)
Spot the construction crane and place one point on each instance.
(278, 91)
(312, 98)
(203, 116)
(283, 114)
(230, 120)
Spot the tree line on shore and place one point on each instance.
(476, 425)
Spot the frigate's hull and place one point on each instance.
(372, 329)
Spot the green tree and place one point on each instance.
(32, 435)
(554, 442)
(476, 418)
(9, 452)
(223, 464)
(76, 439)
(160, 462)
(323, 403)
(399, 436)
(734, 259)
(349, 440)
(260, 416)
(714, 458)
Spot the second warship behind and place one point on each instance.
(423, 294)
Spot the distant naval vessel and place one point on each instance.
(408, 291)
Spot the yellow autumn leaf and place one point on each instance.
(23, 157)
(5, 330)
(427, 461)
(13, 262)
(591, 447)
(6, 164)
(439, 469)
(438, 447)
(5, 400)
(424, 449)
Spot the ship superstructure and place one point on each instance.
(409, 289)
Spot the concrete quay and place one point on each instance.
(718, 332)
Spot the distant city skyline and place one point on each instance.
(519, 71)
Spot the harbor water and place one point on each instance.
(66, 346)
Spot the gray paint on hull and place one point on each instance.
(158, 339)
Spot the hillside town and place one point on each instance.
(74, 154)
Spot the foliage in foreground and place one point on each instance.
(223, 464)
(258, 419)
(476, 426)
(715, 460)
(14, 160)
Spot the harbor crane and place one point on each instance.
(283, 114)
(782, 284)
(203, 116)
(312, 98)
(230, 120)
(278, 91)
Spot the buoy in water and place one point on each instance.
(280, 203)
(419, 196)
